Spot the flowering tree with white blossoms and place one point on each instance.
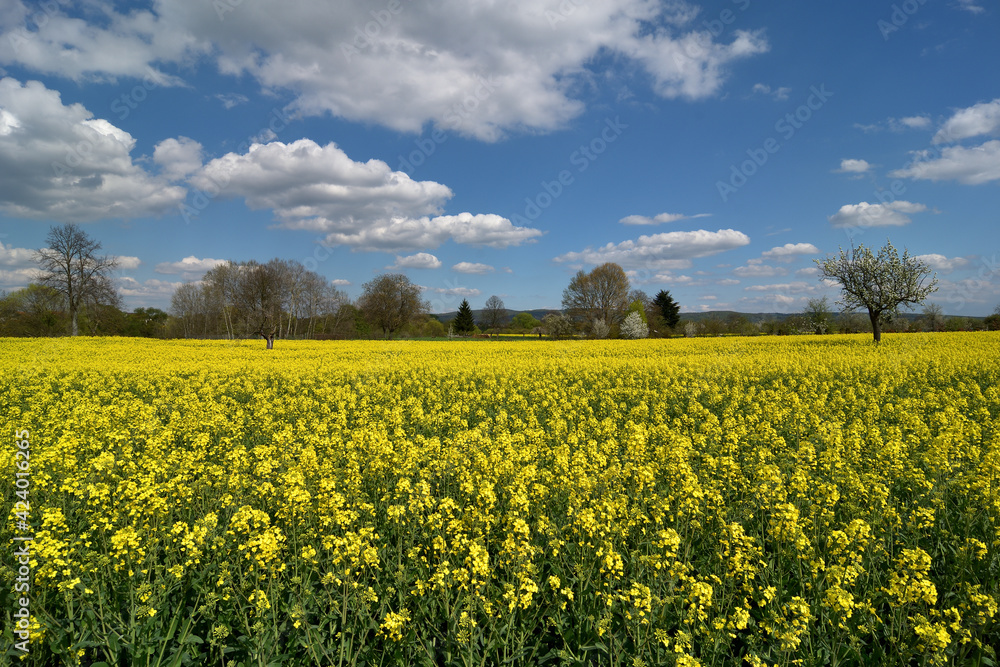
(634, 327)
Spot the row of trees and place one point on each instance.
(281, 298)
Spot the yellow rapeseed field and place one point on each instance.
(733, 501)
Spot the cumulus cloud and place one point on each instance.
(481, 69)
(364, 205)
(12, 279)
(421, 260)
(977, 120)
(127, 262)
(340, 282)
(60, 163)
(670, 250)
(662, 218)
(190, 265)
(790, 251)
(969, 166)
(178, 158)
(473, 268)
(854, 167)
(16, 257)
(875, 215)
(943, 264)
(147, 291)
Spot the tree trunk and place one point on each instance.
(269, 337)
(876, 326)
(76, 328)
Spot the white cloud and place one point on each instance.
(808, 271)
(790, 251)
(971, 6)
(421, 260)
(127, 262)
(364, 205)
(473, 268)
(152, 290)
(670, 250)
(943, 264)
(662, 218)
(875, 215)
(190, 265)
(977, 120)
(12, 279)
(340, 282)
(970, 166)
(114, 45)
(797, 287)
(728, 282)
(914, 122)
(60, 163)
(16, 257)
(453, 291)
(480, 68)
(896, 124)
(178, 158)
(230, 100)
(854, 166)
(759, 271)
(779, 94)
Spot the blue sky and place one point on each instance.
(712, 149)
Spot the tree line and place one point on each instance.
(280, 298)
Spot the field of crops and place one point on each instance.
(805, 500)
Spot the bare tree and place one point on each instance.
(601, 294)
(493, 314)
(390, 300)
(186, 306)
(260, 296)
(879, 283)
(71, 266)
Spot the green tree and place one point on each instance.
(464, 322)
(669, 310)
(992, 322)
(879, 283)
(638, 306)
(523, 323)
